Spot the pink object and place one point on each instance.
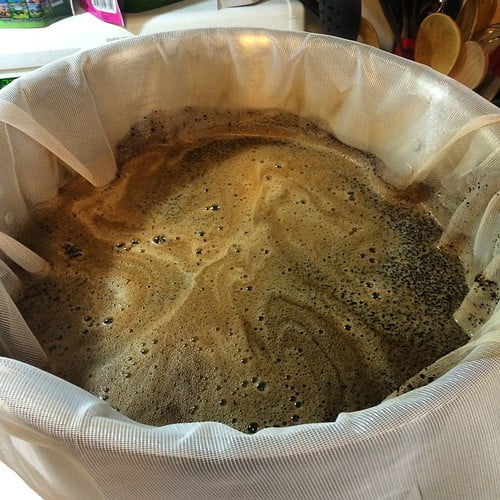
(106, 10)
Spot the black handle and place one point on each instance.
(341, 17)
(393, 12)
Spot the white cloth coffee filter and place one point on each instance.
(437, 441)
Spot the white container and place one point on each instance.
(437, 441)
(23, 50)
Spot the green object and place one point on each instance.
(5, 81)
(142, 5)
(33, 13)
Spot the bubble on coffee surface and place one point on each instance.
(270, 280)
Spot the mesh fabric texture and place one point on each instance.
(437, 441)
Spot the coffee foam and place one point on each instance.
(254, 280)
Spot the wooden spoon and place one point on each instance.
(367, 33)
(471, 66)
(485, 14)
(438, 43)
(467, 19)
(496, 17)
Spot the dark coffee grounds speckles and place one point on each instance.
(295, 284)
(71, 251)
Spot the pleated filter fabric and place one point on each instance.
(437, 441)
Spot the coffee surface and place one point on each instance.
(252, 280)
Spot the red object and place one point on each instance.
(406, 48)
(495, 62)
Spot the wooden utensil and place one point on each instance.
(424, 8)
(438, 43)
(467, 19)
(471, 66)
(485, 14)
(367, 33)
(496, 17)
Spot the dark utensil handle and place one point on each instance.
(452, 8)
(394, 15)
(341, 17)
